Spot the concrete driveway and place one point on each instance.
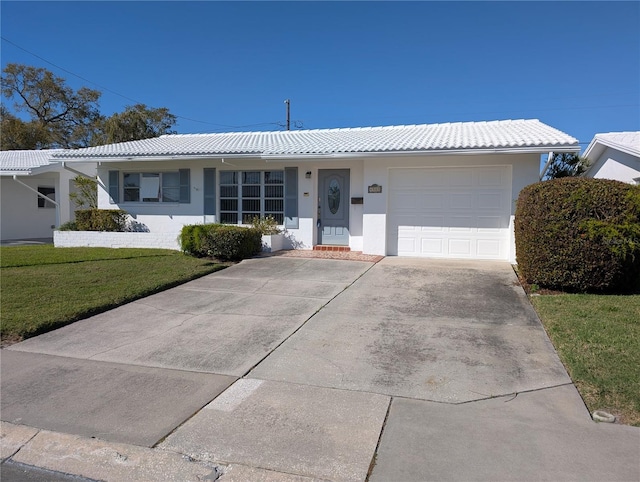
(306, 369)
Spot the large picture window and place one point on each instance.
(246, 194)
(152, 187)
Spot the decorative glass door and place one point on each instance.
(333, 206)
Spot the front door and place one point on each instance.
(333, 206)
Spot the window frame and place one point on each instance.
(245, 196)
(46, 203)
(179, 188)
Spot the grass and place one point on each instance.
(43, 288)
(598, 339)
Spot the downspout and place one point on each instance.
(55, 203)
(546, 166)
(82, 174)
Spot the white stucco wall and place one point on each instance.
(169, 218)
(368, 221)
(20, 216)
(616, 165)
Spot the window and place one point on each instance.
(245, 194)
(50, 192)
(153, 187)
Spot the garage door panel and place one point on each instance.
(461, 223)
(460, 247)
(461, 200)
(491, 177)
(489, 248)
(408, 199)
(432, 246)
(406, 245)
(417, 178)
(488, 224)
(466, 215)
(430, 223)
(459, 178)
(491, 200)
(432, 201)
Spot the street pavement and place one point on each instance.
(295, 369)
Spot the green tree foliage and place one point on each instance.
(57, 116)
(566, 164)
(17, 134)
(86, 195)
(138, 122)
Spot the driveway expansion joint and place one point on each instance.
(375, 452)
(305, 322)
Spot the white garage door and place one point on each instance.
(450, 212)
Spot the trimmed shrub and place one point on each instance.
(579, 234)
(69, 226)
(267, 225)
(101, 220)
(192, 237)
(222, 241)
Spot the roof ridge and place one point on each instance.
(350, 129)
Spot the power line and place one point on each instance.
(129, 98)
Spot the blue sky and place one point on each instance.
(231, 65)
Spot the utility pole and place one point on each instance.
(288, 102)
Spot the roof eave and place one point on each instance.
(15, 173)
(159, 157)
(598, 145)
(431, 152)
(319, 156)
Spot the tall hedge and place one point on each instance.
(579, 234)
(220, 241)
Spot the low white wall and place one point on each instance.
(105, 239)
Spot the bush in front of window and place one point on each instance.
(221, 241)
(101, 220)
(267, 225)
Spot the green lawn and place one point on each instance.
(598, 340)
(42, 287)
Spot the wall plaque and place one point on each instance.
(375, 189)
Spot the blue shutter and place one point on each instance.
(291, 197)
(185, 186)
(209, 192)
(114, 187)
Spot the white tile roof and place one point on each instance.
(628, 142)
(25, 161)
(504, 135)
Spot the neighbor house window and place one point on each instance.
(246, 194)
(50, 192)
(152, 187)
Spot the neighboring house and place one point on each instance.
(34, 193)
(441, 190)
(615, 155)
